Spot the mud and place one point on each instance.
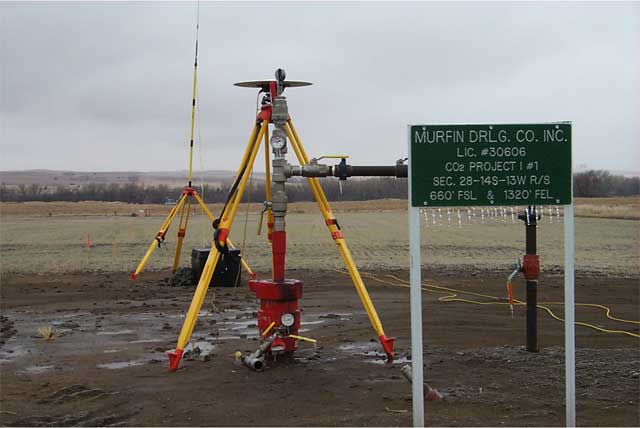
(108, 365)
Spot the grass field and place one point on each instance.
(616, 208)
(32, 241)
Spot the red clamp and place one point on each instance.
(222, 235)
(331, 221)
(270, 234)
(190, 191)
(181, 233)
(531, 267)
(337, 235)
(265, 114)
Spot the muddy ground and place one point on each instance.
(108, 366)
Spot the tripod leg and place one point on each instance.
(194, 309)
(204, 207)
(212, 260)
(231, 245)
(182, 230)
(336, 234)
(160, 235)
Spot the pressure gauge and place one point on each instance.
(278, 142)
(287, 320)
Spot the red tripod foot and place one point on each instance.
(133, 276)
(174, 359)
(387, 345)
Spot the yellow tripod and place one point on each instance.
(283, 126)
(183, 205)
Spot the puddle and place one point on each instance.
(110, 351)
(146, 341)
(115, 333)
(240, 324)
(36, 369)
(206, 313)
(238, 329)
(78, 314)
(359, 347)
(371, 351)
(342, 316)
(403, 360)
(121, 364)
(312, 322)
(8, 355)
(224, 338)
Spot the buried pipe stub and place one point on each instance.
(253, 363)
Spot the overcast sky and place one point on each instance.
(107, 86)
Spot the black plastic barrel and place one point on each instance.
(227, 272)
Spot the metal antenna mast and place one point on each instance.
(189, 194)
(193, 99)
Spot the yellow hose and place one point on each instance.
(451, 295)
(306, 339)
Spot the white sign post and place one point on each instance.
(438, 144)
(569, 317)
(416, 306)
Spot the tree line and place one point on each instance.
(297, 190)
(593, 183)
(601, 183)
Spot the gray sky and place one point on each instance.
(107, 86)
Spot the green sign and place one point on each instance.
(465, 165)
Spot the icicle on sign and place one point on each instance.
(463, 165)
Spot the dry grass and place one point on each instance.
(377, 240)
(618, 208)
(48, 333)
(614, 208)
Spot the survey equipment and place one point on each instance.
(188, 196)
(279, 313)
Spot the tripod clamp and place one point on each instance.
(224, 249)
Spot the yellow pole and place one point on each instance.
(182, 230)
(230, 213)
(212, 261)
(193, 104)
(323, 204)
(204, 207)
(198, 299)
(161, 232)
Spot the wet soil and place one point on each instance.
(107, 364)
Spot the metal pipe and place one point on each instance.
(255, 360)
(430, 394)
(345, 171)
(399, 171)
(530, 217)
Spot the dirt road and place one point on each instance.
(108, 367)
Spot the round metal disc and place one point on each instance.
(265, 84)
(287, 319)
